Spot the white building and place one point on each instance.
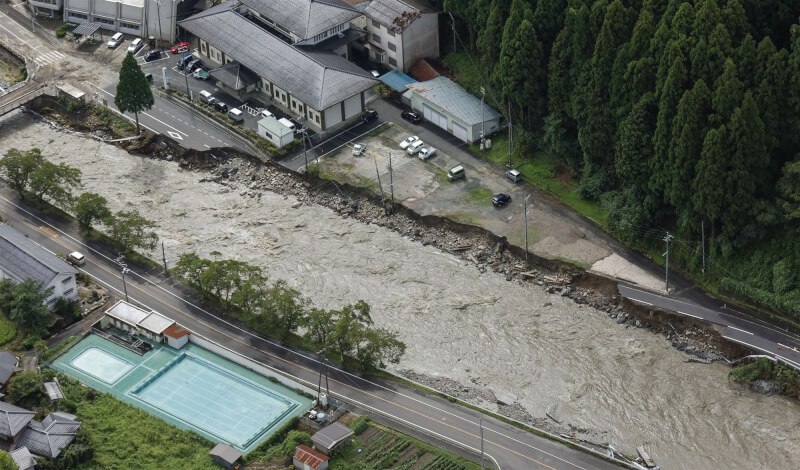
(22, 258)
(142, 18)
(401, 31)
(151, 325)
(290, 60)
(275, 132)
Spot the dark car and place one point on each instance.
(151, 55)
(193, 65)
(501, 200)
(149, 77)
(369, 115)
(220, 107)
(184, 61)
(410, 116)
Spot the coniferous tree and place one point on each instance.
(688, 133)
(133, 89)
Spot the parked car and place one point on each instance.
(152, 55)
(410, 116)
(514, 175)
(415, 147)
(358, 149)
(409, 140)
(501, 200)
(426, 153)
(193, 65)
(76, 258)
(115, 41)
(135, 45)
(375, 73)
(369, 115)
(266, 113)
(149, 77)
(236, 114)
(219, 106)
(457, 172)
(200, 74)
(184, 61)
(206, 97)
(180, 47)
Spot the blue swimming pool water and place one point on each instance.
(102, 365)
(209, 397)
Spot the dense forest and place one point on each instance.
(675, 115)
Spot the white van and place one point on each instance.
(455, 173)
(135, 45)
(76, 258)
(236, 114)
(287, 123)
(415, 147)
(115, 40)
(205, 97)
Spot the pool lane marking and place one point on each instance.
(267, 353)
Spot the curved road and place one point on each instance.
(418, 413)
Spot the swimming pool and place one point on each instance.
(233, 408)
(101, 365)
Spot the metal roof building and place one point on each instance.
(444, 103)
(303, 19)
(8, 366)
(47, 438)
(332, 437)
(22, 258)
(397, 80)
(13, 419)
(132, 319)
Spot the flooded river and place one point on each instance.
(625, 385)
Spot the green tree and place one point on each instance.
(128, 230)
(523, 79)
(728, 94)
(191, 267)
(350, 322)
(285, 308)
(133, 89)
(634, 148)
(671, 94)
(17, 167)
(319, 325)
(55, 182)
(770, 97)
(788, 187)
(746, 61)
(708, 56)
(735, 19)
(27, 305)
(688, 133)
(377, 345)
(548, 19)
(491, 36)
(25, 389)
(7, 462)
(708, 195)
(707, 18)
(250, 292)
(89, 208)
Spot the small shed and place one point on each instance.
(226, 456)
(275, 132)
(397, 80)
(9, 365)
(71, 92)
(306, 458)
(177, 337)
(331, 438)
(23, 458)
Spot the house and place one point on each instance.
(284, 60)
(23, 259)
(306, 458)
(331, 438)
(444, 103)
(9, 365)
(176, 336)
(141, 18)
(23, 458)
(275, 132)
(136, 321)
(47, 438)
(226, 456)
(13, 420)
(401, 31)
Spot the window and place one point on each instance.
(103, 20)
(294, 104)
(66, 280)
(129, 26)
(267, 135)
(391, 33)
(392, 62)
(79, 16)
(376, 38)
(203, 47)
(316, 118)
(378, 57)
(392, 47)
(69, 291)
(376, 24)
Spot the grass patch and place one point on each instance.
(462, 218)
(11, 73)
(764, 369)
(479, 196)
(8, 330)
(61, 348)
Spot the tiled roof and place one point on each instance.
(395, 14)
(22, 258)
(455, 100)
(304, 18)
(331, 434)
(425, 69)
(226, 453)
(234, 76)
(51, 435)
(307, 455)
(23, 458)
(319, 79)
(13, 419)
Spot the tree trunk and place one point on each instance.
(138, 131)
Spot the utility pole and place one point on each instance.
(160, 33)
(323, 366)
(666, 277)
(121, 261)
(391, 182)
(509, 134)
(164, 256)
(526, 228)
(703, 242)
(453, 21)
(483, 121)
(481, 426)
(186, 77)
(305, 152)
(377, 172)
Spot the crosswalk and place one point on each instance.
(49, 57)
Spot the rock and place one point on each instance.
(506, 399)
(765, 387)
(622, 318)
(229, 171)
(297, 204)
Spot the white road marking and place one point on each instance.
(175, 135)
(789, 348)
(640, 301)
(146, 114)
(690, 315)
(12, 33)
(739, 329)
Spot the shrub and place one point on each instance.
(25, 390)
(782, 277)
(8, 330)
(30, 341)
(61, 31)
(313, 170)
(359, 425)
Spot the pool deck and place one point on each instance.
(150, 367)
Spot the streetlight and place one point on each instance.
(121, 261)
(526, 228)
(483, 121)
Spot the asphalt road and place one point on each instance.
(436, 419)
(769, 340)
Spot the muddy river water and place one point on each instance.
(626, 385)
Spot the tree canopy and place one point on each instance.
(133, 89)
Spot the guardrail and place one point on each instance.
(22, 99)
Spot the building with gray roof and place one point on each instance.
(399, 32)
(47, 438)
(13, 419)
(331, 438)
(22, 258)
(9, 365)
(304, 21)
(444, 103)
(23, 458)
(321, 87)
